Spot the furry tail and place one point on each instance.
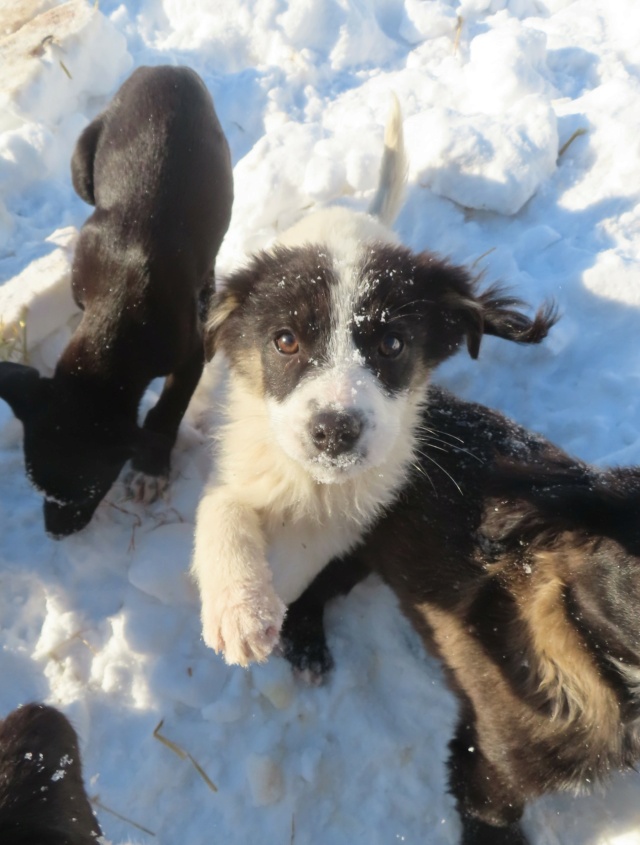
(393, 171)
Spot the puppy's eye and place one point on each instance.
(391, 345)
(287, 343)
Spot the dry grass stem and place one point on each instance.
(54, 652)
(484, 255)
(136, 524)
(567, 143)
(183, 755)
(13, 340)
(98, 803)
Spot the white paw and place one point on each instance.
(243, 622)
(144, 488)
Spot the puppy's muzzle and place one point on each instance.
(62, 520)
(335, 433)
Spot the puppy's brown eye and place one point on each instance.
(391, 345)
(287, 343)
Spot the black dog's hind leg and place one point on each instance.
(302, 638)
(152, 456)
(42, 796)
(489, 808)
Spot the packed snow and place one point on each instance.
(523, 133)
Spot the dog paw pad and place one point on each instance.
(143, 488)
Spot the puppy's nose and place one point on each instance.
(62, 520)
(335, 432)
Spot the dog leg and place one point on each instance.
(302, 639)
(42, 796)
(241, 613)
(490, 809)
(152, 459)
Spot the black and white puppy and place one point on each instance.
(156, 165)
(520, 568)
(42, 795)
(329, 338)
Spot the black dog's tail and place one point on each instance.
(42, 796)
(501, 318)
(572, 496)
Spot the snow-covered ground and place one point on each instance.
(105, 624)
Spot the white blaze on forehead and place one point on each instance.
(344, 237)
(345, 295)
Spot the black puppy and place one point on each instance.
(156, 165)
(520, 568)
(42, 796)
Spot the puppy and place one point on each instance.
(329, 338)
(42, 796)
(520, 568)
(156, 166)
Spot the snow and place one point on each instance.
(105, 624)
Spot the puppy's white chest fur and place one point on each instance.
(299, 549)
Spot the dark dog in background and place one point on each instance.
(156, 165)
(42, 796)
(520, 568)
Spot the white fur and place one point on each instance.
(346, 386)
(274, 514)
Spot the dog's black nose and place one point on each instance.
(62, 520)
(335, 432)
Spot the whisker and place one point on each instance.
(426, 441)
(423, 471)
(433, 446)
(437, 431)
(448, 474)
(427, 438)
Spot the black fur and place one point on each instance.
(156, 165)
(302, 636)
(509, 558)
(42, 796)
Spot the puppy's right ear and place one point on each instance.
(20, 388)
(223, 304)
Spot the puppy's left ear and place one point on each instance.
(456, 311)
(502, 317)
(497, 313)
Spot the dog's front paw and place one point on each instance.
(144, 488)
(304, 645)
(243, 623)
